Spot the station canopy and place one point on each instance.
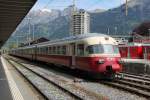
(12, 13)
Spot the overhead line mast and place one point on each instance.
(126, 8)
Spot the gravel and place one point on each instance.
(51, 91)
(67, 84)
(111, 93)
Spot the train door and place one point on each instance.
(72, 53)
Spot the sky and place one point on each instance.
(83, 4)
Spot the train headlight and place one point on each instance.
(120, 61)
(101, 61)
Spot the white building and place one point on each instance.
(80, 23)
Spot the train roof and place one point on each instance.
(69, 38)
(75, 38)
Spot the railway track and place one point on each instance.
(132, 84)
(129, 88)
(141, 77)
(73, 91)
(134, 80)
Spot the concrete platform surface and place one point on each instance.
(15, 86)
(136, 66)
(5, 93)
(141, 61)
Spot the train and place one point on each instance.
(135, 51)
(93, 53)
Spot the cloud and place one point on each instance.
(46, 10)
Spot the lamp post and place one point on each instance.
(126, 8)
(29, 32)
(33, 32)
(108, 31)
(116, 30)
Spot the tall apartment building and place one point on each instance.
(80, 23)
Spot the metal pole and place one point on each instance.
(29, 31)
(33, 32)
(28, 34)
(71, 18)
(108, 31)
(126, 7)
(115, 30)
(17, 42)
(141, 12)
(74, 5)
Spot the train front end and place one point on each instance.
(105, 58)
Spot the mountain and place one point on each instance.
(55, 23)
(138, 12)
(97, 11)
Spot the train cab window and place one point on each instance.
(80, 49)
(110, 49)
(93, 49)
(99, 48)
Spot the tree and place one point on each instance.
(143, 29)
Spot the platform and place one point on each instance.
(136, 66)
(13, 86)
(140, 61)
(5, 93)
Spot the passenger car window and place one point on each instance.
(50, 50)
(64, 50)
(80, 49)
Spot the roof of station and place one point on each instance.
(12, 13)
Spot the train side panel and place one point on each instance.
(56, 59)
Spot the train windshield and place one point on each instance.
(99, 48)
(110, 49)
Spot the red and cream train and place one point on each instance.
(95, 53)
(135, 51)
